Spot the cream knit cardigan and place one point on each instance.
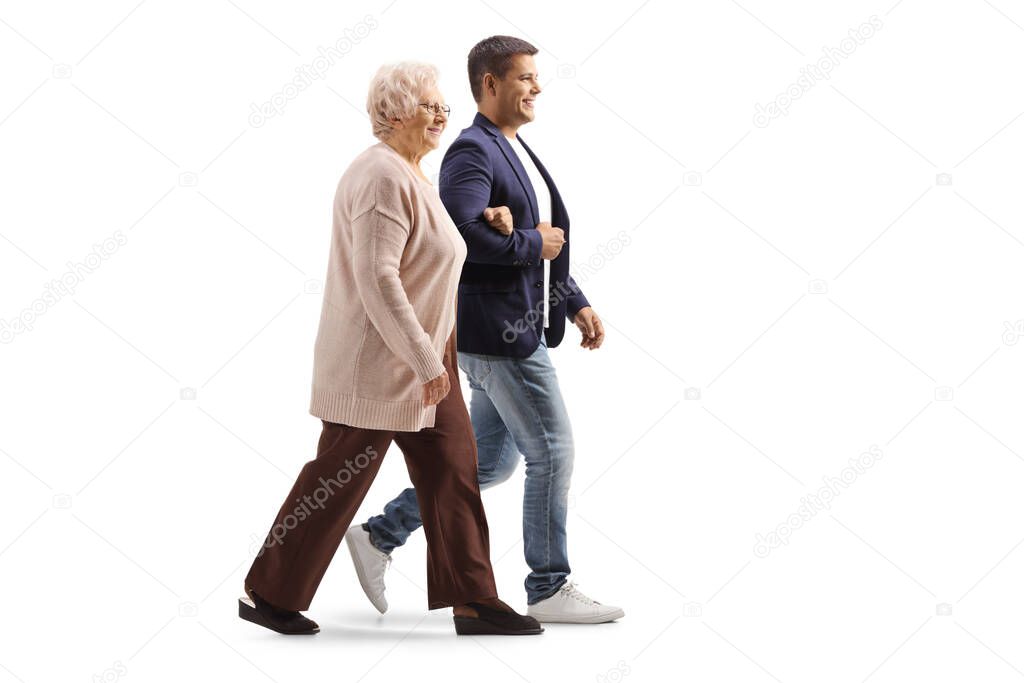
(389, 296)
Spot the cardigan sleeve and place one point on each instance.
(378, 243)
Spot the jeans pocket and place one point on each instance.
(476, 368)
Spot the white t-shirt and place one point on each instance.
(540, 188)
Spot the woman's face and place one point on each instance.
(423, 130)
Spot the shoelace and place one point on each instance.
(384, 558)
(387, 563)
(572, 591)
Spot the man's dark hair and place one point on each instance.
(494, 56)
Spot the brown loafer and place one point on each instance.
(492, 622)
(289, 622)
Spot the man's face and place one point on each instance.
(517, 91)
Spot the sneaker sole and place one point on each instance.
(588, 619)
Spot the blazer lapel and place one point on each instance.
(558, 213)
(513, 159)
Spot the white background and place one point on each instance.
(811, 282)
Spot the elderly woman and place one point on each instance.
(385, 370)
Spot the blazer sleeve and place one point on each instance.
(465, 189)
(575, 301)
(379, 237)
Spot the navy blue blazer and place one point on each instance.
(500, 302)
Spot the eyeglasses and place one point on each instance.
(436, 108)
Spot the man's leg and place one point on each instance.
(400, 518)
(497, 453)
(524, 393)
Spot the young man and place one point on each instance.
(514, 296)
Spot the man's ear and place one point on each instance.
(489, 82)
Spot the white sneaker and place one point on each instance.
(569, 606)
(370, 565)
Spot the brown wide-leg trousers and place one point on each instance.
(316, 514)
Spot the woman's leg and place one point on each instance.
(315, 515)
(497, 458)
(443, 468)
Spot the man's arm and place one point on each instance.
(575, 301)
(465, 188)
(579, 311)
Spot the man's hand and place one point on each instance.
(591, 327)
(499, 218)
(553, 238)
(436, 389)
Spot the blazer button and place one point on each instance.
(538, 284)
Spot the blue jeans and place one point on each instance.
(516, 407)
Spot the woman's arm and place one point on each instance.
(378, 243)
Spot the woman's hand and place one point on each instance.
(436, 389)
(499, 218)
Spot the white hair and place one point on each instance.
(395, 92)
